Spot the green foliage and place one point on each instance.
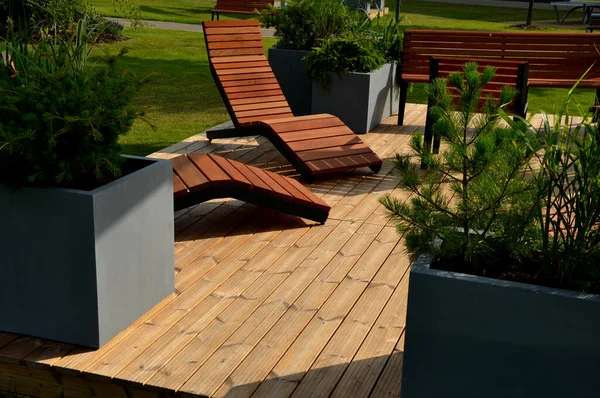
(567, 172)
(61, 118)
(474, 196)
(343, 54)
(304, 24)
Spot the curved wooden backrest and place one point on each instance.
(243, 74)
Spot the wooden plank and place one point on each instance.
(179, 188)
(218, 45)
(306, 124)
(344, 344)
(367, 365)
(182, 366)
(19, 348)
(251, 82)
(261, 105)
(326, 142)
(253, 100)
(236, 334)
(299, 357)
(236, 37)
(237, 51)
(316, 133)
(230, 23)
(333, 152)
(7, 338)
(264, 113)
(268, 93)
(257, 365)
(389, 384)
(209, 168)
(189, 173)
(245, 71)
(269, 246)
(195, 284)
(48, 354)
(209, 31)
(238, 59)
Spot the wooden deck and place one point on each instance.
(265, 304)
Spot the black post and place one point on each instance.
(397, 15)
(434, 72)
(523, 87)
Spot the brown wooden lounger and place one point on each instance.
(200, 177)
(314, 144)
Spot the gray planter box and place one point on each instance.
(361, 100)
(470, 336)
(290, 71)
(80, 266)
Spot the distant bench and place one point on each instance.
(556, 60)
(239, 6)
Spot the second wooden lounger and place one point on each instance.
(314, 144)
(200, 177)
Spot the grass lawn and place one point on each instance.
(181, 98)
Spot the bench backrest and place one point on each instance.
(243, 75)
(550, 55)
(243, 5)
(508, 73)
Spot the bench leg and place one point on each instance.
(596, 108)
(402, 105)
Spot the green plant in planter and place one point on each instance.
(511, 202)
(567, 171)
(61, 119)
(304, 24)
(474, 196)
(364, 48)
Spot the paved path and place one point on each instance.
(181, 26)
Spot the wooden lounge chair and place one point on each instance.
(314, 144)
(200, 177)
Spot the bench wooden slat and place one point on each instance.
(232, 30)
(321, 143)
(259, 100)
(306, 124)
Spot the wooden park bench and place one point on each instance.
(239, 6)
(556, 60)
(508, 73)
(200, 177)
(313, 144)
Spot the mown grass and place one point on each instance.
(181, 98)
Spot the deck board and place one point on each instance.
(265, 304)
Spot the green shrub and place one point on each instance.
(304, 24)
(343, 54)
(474, 196)
(514, 202)
(61, 119)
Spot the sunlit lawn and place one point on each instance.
(181, 98)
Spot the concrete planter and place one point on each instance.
(361, 100)
(80, 266)
(470, 336)
(290, 71)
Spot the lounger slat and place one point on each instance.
(264, 112)
(277, 189)
(256, 182)
(189, 173)
(260, 105)
(268, 93)
(179, 188)
(321, 143)
(333, 152)
(235, 23)
(315, 133)
(238, 37)
(243, 89)
(229, 166)
(259, 100)
(234, 44)
(242, 72)
(231, 30)
(237, 51)
(209, 168)
(307, 192)
(242, 65)
(246, 76)
(246, 58)
(306, 125)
